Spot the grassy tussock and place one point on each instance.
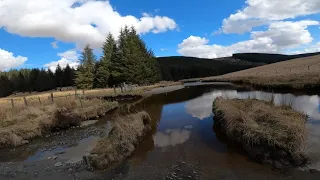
(127, 132)
(261, 124)
(23, 123)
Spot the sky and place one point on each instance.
(44, 33)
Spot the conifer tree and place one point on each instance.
(85, 74)
(103, 67)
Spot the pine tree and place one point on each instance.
(5, 86)
(103, 67)
(59, 76)
(85, 74)
(68, 74)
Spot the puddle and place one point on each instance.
(67, 155)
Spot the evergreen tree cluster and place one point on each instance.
(125, 60)
(29, 80)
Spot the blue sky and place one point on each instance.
(43, 33)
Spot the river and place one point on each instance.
(184, 142)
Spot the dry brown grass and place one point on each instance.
(127, 132)
(298, 73)
(33, 98)
(23, 123)
(258, 123)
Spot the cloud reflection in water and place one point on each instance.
(171, 137)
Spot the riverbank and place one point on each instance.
(268, 133)
(124, 136)
(19, 125)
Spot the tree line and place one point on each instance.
(126, 59)
(29, 80)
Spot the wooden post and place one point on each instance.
(308, 67)
(39, 100)
(51, 95)
(12, 103)
(25, 101)
(114, 88)
(82, 91)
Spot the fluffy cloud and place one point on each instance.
(259, 12)
(8, 60)
(69, 57)
(279, 36)
(78, 21)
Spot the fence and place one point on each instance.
(50, 98)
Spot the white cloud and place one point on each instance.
(78, 21)
(280, 36)
(69, 57)
(8, 60)
(308, 49)
(55, 44)
(259, 12)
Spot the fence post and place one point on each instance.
(39, 100)
(82, 91)
(308, 67)
(12, 103)
(51, 97)
(25, 101)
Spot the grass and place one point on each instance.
(260, 124)
(127, 132)
(302, 73)
(33, 98)
(19, 124)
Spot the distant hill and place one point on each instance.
(179, 67)
(269, 58)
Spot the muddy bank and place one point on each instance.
(268, 133)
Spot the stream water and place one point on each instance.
(183, 131)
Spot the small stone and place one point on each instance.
(58, 164)
(49, 158)
(313, 171)
(54, 157)
(70, 169)
(188, 127)
(25, 142)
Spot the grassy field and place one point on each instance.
(127, 132)
(298, 74)
(275, 131)
(35, 98)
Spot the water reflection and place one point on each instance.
(201, 107)
(171, 137)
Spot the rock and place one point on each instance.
(88, 123)
(188, 127)
(25, 142)
(49, 158)
(58, 164)
(54, 157)
(313, 171)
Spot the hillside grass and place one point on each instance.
(127, 132)
(19, 124)
(262, 125)
(302, 73)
